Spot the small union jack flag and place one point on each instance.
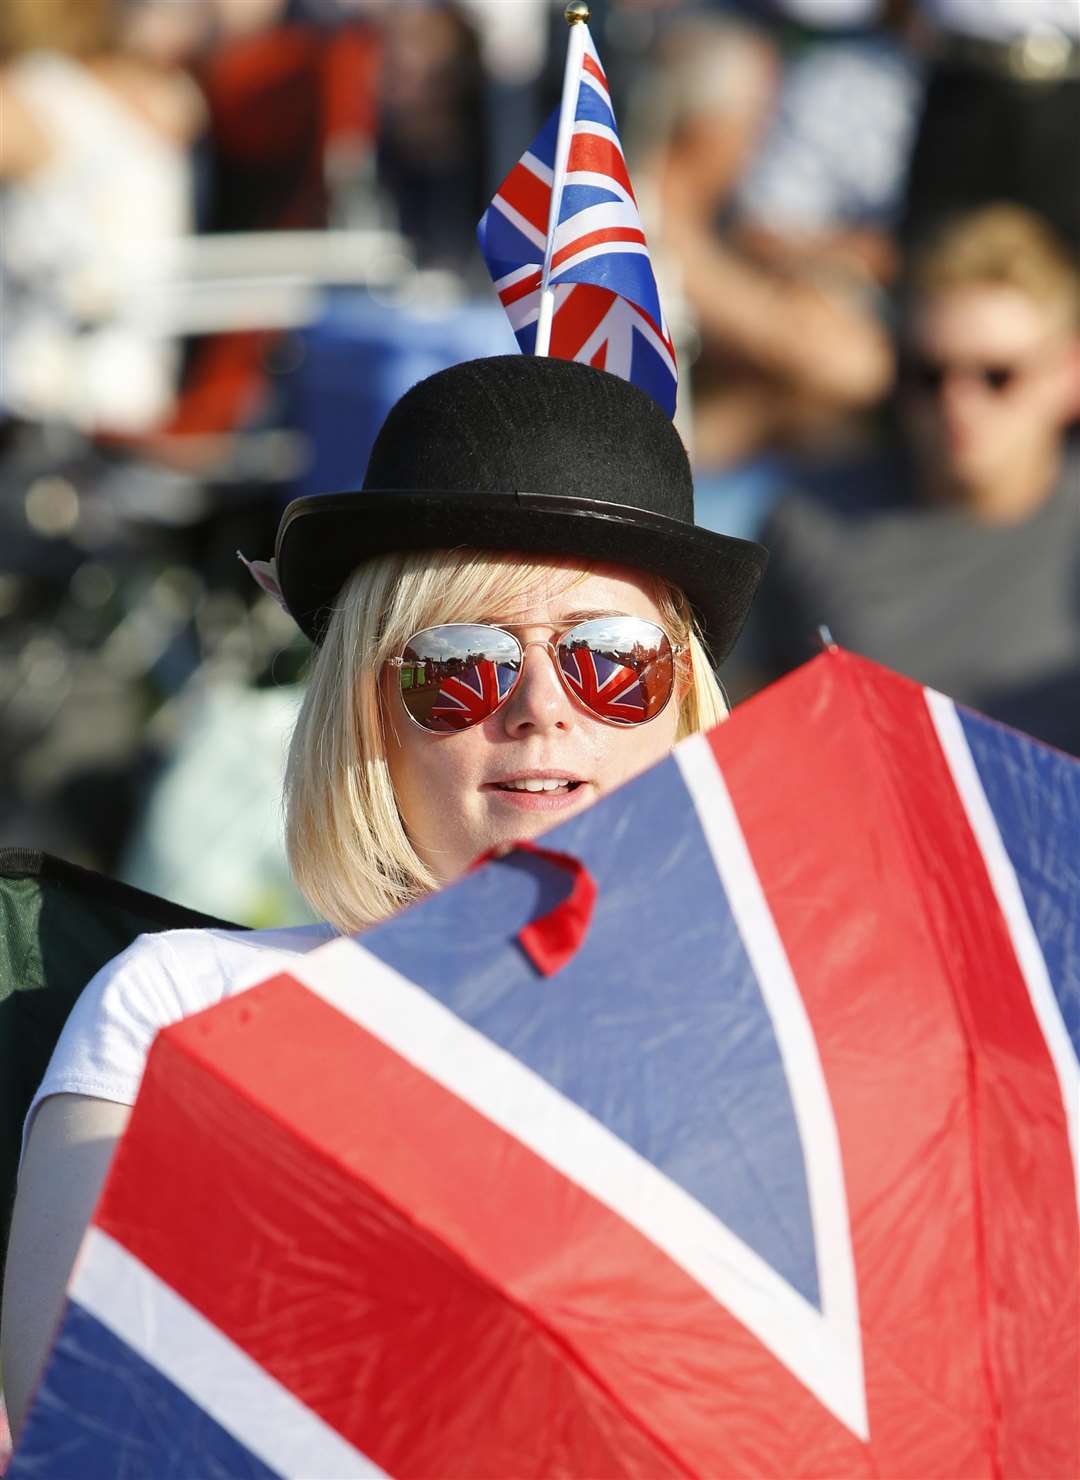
(607, 308)
(609, 689)
(467, 698)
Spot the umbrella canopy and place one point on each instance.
(774, 1177)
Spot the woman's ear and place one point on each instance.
(684, 673)
(386, 711)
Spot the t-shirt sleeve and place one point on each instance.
(102, 1049)
(158, 980)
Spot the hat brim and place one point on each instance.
(324, 537)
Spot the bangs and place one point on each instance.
(430, 587)
(491, 585)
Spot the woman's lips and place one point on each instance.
(567, 796)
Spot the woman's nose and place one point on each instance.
(539, 701)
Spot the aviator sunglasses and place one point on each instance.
(621, 669)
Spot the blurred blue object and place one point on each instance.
(360, 357)
(738, 500)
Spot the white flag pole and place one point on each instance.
(577, 16)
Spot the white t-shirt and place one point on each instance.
(158, 980)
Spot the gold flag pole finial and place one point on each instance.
(576, 12)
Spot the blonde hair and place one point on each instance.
(348, 849)
(1005, 246)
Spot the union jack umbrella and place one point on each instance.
(775, 1177)
(565, 223)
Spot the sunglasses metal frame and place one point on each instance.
(552, 646)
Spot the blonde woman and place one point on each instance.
(515, 615)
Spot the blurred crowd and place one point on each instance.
(235, 230)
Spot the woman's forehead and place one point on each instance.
(566, 590)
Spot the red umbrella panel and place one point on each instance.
(774, 1176)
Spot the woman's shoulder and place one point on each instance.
(201, 966)
(226, 942)
(159, 979)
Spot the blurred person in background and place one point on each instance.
(514, 46)
(432, 160)
(95, 189)
(121, 596)
(291, 94)
(292, 90)
(826, 189)
(955, 557)
(1002, 113)
(786, 353)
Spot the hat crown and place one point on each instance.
(514, 424)
(528, 456)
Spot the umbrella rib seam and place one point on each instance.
(532, 1316)
(887, 784)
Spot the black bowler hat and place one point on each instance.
(544, 456)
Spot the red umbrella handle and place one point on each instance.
(552, 940)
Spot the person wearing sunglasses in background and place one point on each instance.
(515, 615)
(955, 557)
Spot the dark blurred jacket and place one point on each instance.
(988, 614)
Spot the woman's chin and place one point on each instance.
(517, 821)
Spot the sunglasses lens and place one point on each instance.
(621, 668)
(455, 676)
(998, 378)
